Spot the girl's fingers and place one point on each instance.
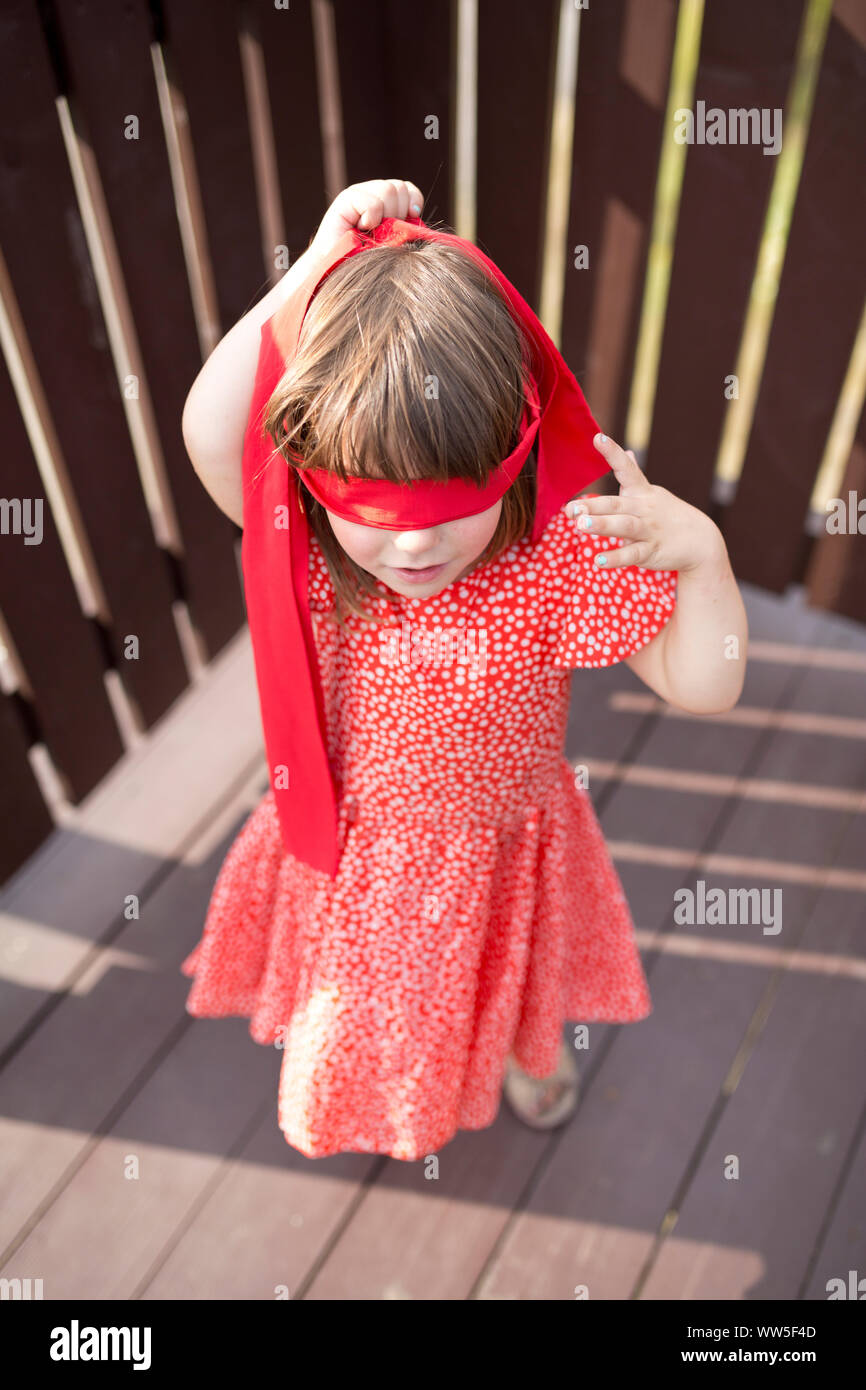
(379, 198)
(620, 523)
(629, 505)
(624, 465)
(636, 554)
(636, 488)
(370, 210)
(414, 200)
(364, 206)
(386, 198)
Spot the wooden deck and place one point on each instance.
(754, 1050)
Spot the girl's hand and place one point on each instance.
(662, 532)
(365, 205)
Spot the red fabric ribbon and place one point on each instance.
(275, 548)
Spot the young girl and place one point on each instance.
(418, 594)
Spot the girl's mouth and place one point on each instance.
(419, 576)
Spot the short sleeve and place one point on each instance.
(599, 617)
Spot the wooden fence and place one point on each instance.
(159, 158)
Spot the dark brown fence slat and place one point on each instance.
(815, 323)
(25, 818)
(45, 250)
(747, 58)
(514, 134)
(622, 83)
(396, 70)
(57, 644)
(836, 578)
(108, 58)
(211, 81)
(288, 51)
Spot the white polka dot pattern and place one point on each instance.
(476, 907)
(608, 615)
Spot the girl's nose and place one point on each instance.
(415, 542)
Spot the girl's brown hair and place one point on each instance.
(409, 365)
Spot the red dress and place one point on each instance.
(476, 908)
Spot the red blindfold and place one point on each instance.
(417, 505)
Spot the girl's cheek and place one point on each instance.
(479, 530)
(361, 543)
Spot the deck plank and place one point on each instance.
(842, 1245)
(206, 1092)
(124, 837)
(77, 1066)
(424, 1238)
(789, 1123)
(260, 1230)
(641, 1119)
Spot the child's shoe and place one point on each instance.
(543, 1102)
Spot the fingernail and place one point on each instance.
(416, 208)
(600, 560)
(585, 523)
(602, 439)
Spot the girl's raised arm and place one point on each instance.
(218, 404)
